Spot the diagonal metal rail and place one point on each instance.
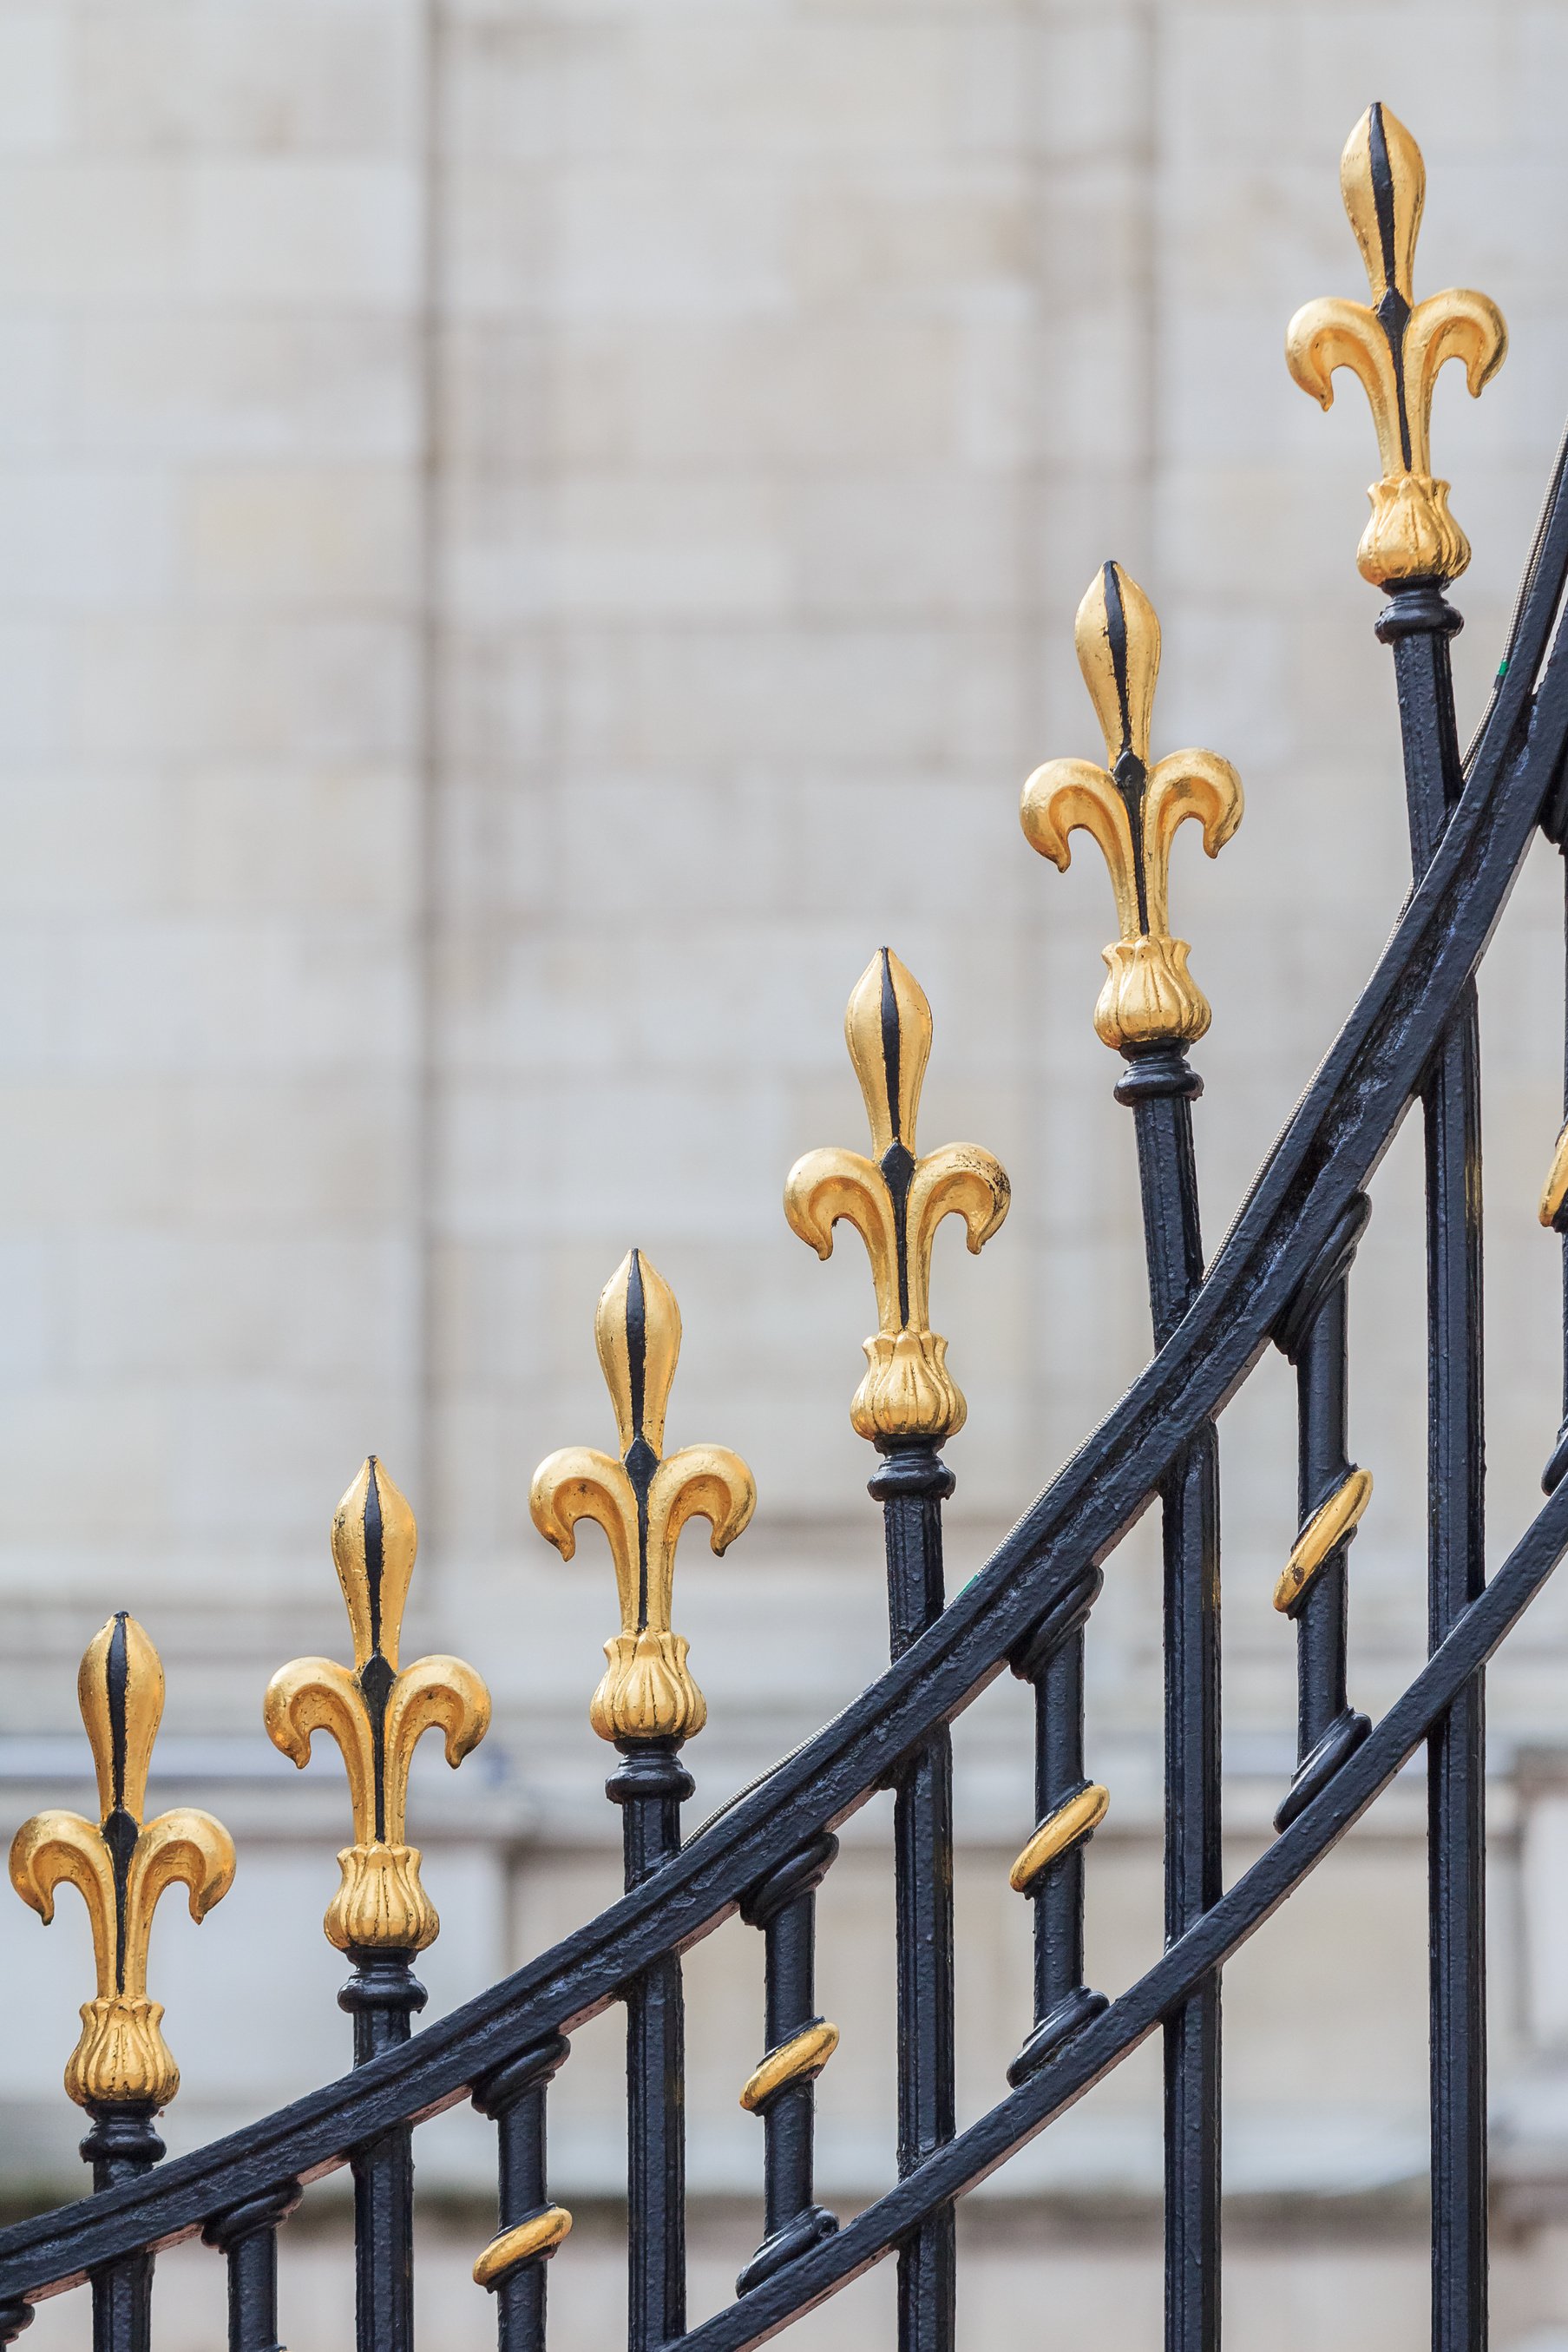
(1330, 1146)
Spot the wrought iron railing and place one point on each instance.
(1278, 1278)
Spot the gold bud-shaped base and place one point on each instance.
(380, 1905)
(647, 1692)
(122, 2055)
(1411, 535)
(1149, 997)
(907, 1391)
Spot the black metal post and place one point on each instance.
(122, 2146)
(911, 1485)
(13, 2318)
(530, 2227)
(1555, 825)
(1160, 1086)
(1313, 1337)
(650, 1784)
(1053, 1660)
(247, 2234)
(382, 1997)
(1418, 622)
(783, 1904)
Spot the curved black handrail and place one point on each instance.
(1339, 1131)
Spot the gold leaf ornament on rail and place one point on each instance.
(376, 1712)
(1395, 346)
(1133, 811)
(895, 1201)
(121, 1865)
(642, 1500)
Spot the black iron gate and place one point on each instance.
(1280, 1277)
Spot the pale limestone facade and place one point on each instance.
(533, 536)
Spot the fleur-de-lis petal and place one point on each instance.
(377, 1713)
(1133, 811)
(642, 1501)
(121, 1865)
(1395, 346)
(896, 1201)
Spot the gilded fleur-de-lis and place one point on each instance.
(1396, 346)
(376, 1712)
(1133, 811)
(121, 1865)
(642, 1501)
(895, 1201)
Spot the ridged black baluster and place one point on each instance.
(1052, 1661)
(123, 2145)
(13, 2318)
(247, 2234)
(1313, 1337)
(1417, 622)
(783, 1904)
(912, 1485)
(1160, 1086)
(530, 2227)
(650, 1784)
(382, 1997)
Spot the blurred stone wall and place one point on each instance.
(534, 536)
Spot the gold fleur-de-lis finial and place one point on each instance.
(642, 1501)
(895, 1201)
(376, 1712)
(121, 1865)
(1395, 346)
(1133, 811)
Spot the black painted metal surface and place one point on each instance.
(383, 1997)
(1281, 1273)
(1418, 623)
(1161, 1087)
(515, 2099)
(783, 1905)
(1053, 1660)
(247, 2234)
(911, 1485)
(650, 1785)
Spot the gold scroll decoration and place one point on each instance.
(799, 2060)
(1074, 1820)
(1395, 346)
(642, 1501)
(376, 1712)
(1133, 811)
(532, 2240)
(895, 1199)
(121, 1865)
(1330, 1525)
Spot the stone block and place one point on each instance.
(286, 535)
(192, 77)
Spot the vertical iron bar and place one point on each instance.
(1556, 825)
(649, 1784)
(123, 2145)
(1160, 1087)
(911, 1485)
(1313, 1336)
(530, 2227)
(382, 1997)
(1417, 622)
(1053, 1660)
(783, 1905)
(1560, 1453)
(248, 2235)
